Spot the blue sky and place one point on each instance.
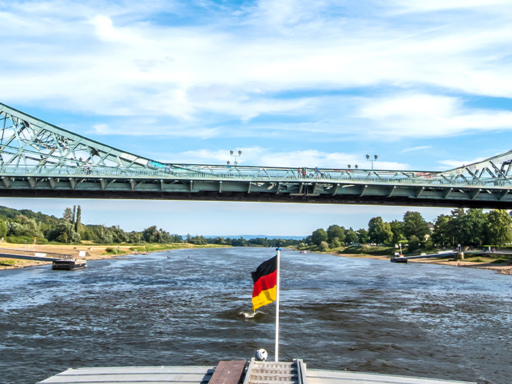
(424, 84)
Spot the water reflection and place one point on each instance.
(337, 313)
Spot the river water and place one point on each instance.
(337, 313)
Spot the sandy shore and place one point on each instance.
(94, 252)
(503, 268)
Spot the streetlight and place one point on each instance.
(375, 159)
(235, 155)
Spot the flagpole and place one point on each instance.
(278, 286)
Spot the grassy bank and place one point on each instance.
(368, 250)
(354, 250)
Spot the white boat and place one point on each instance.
(232, 372)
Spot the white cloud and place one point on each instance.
(141, 130)
(420, 148)
(449, 164)
(424, 115)
(273, 158)
(437, 5)
(114, 59)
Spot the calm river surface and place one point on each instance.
(337, 313)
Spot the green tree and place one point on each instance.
(415, 224)
(323, 246)
(414, 243)
(457, 224)
(200, 240)
(150, 235)
(363, 236)
(351, 236)
(63, 238)
(103, 234)
(442, 234)
(67, 214)
(336, 231)
(473, 227)
(318, 236)
(335, 243)
(134, 237)
(498, 227)
(78, 223)
(3, 229)
(397, 227)
(374, 228)
(379, 231)
(73, 218)
(65, 233)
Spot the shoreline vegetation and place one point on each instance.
(461, 230)
(498, 263)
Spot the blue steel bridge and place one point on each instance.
(38, 159)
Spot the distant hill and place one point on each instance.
(11, 213)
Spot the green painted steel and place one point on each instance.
(38, 159)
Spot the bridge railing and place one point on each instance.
(185, 171)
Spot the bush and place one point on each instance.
(335, 243)
(324, 246)
(114, 251)
(23, 239)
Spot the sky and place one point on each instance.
(425, 85)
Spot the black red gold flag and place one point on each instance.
(265, 283)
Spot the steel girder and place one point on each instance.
(38, 159)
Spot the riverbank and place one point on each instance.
(94, 252)
(504, 268)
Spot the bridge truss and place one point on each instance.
(38, 159)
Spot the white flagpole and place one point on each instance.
(278, 286)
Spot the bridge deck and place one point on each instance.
(42, 160)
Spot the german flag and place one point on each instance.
(265, 283)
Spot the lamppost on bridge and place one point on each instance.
(368, 158)
(236, 156)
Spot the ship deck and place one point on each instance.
(202, 375)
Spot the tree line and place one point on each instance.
(21, 226)
(471, 227)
